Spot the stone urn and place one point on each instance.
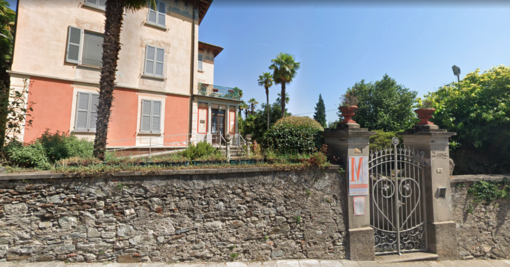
(424, 114)
(348, 113)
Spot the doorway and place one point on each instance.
(217, 125)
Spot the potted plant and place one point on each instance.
(425, 112)
(349, 105)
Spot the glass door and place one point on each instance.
(217, 125)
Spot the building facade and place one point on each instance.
(161, 65)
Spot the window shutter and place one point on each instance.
(200, 61)
(161, 13)
(152, 16)
(82, 111)
(102, 4)
(160, 60)
(150, 52)
(93, 112)
(156, 116)
(74, 43)
(145, 124)
(92, 49)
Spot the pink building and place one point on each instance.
(165, 95)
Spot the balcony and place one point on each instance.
(218, 91)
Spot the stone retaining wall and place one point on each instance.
(246, 215)
(483, 230)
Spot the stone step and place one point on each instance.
(405, 257)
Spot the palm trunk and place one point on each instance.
(283, 99)
(111, 48)
(267, 107)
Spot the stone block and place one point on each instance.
(16, 209)
(361, 244)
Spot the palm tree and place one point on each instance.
(243, 106)
(111, 48)
(266, 80)
(279, 98)
(284, 69)
(253, 104)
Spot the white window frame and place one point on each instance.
(200, 62)
(157, 13)
(154, 61)
(96, 4)
(89, 111)
(151, 117)
(81, 44)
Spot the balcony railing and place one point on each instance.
(218, 91)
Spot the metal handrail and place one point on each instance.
(221, 135)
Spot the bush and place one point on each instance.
(29, 156)
(381, 140)
(478, 110)
(60, 145)
(200, 150)
(296, 134)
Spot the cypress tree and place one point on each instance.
(320, 112)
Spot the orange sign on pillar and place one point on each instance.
(358, 176)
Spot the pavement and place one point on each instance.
(282, 263)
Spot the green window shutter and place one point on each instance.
(160, 61)
(92, 49)
(93, 112)
(150, 53)
(82, 111)
(156, 117)
(152, 16)
(145, 124)
(74, 44)
(161, 13)
(200, 61)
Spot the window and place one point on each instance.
(154, 61)
(84, 47)
(200, 62)
(157, 16)
(151, 116)
(86, 111)
(101, 4)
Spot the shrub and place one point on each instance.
(200, 150)
(60, 145)
(29, 156)
(296, 134)
(381, 140)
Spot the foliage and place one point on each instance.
(266, 80)
(253, 103)
(29, 156)
(298, 219)
(320, 112)
(7, 21)
(60, 145)
(478, 109)
(279, 98)
(243, 106)
(384, 105)
(199, 151)
(302, 134)
(257, 124)
(333, 124)
(381, 140)
(285, 69)
(349, 99)
(489, 191)
(15, 111)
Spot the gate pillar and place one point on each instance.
(346, 141)
(441, 231)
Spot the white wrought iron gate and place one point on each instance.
(397, 199)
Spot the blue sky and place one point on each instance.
(340, 44)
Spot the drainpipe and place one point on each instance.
(192, 81)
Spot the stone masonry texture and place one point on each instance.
(191, 218)
(483, 230)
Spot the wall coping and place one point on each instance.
(478, 177)
(49, 175)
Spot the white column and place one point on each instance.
(209, 127)
(235, 122)
(227, 118)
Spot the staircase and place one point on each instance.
(407, 257)
(235, 151)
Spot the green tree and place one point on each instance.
(260, 119)
(320, 112)
(284, 68)
(243, 106)
(111, 47)
(478, 109)
(384, 105)
(253, 103)
(266, 80)
(279, 98)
